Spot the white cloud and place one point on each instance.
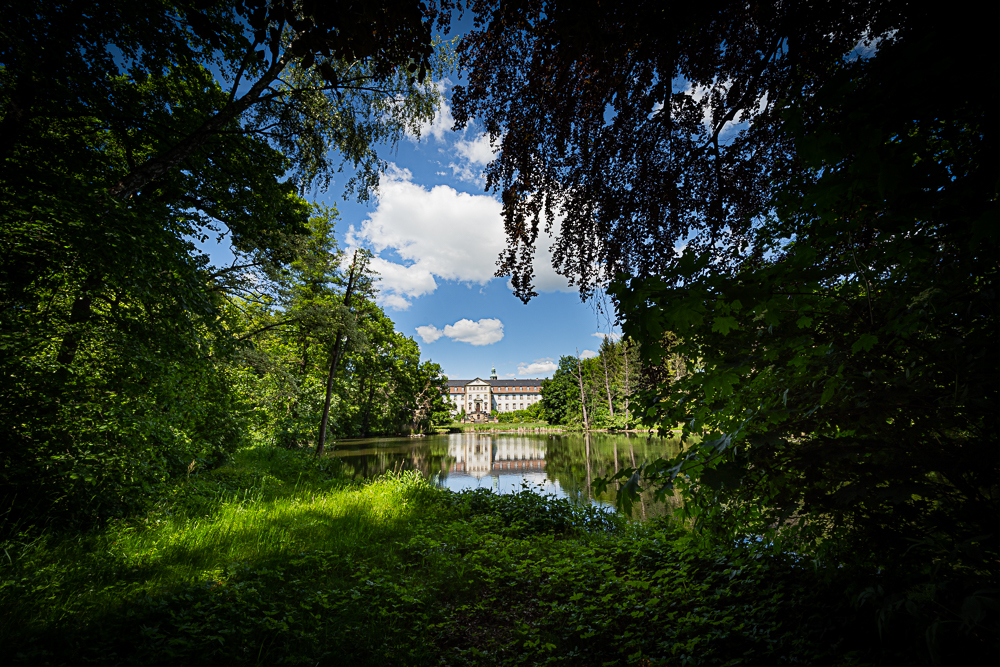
(472, 156)
(399, 282)
(438, 233)
(429, 333)
(478, 151)
(588, 354)
(612, 336)
(544, 366)
(440, 127)
(394, 301)
(482, 332)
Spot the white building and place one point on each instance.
(481, 396)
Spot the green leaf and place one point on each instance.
(866, 342)
(724, 324)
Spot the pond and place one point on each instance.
(551, 463)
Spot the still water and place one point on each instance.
(559, 464)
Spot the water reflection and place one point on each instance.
(564, 465)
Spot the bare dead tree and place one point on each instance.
(583, 395)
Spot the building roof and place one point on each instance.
(526, 382)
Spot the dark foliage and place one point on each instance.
(647, 125)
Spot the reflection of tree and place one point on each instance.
(371, 458)
(574, 460)
(571, 461)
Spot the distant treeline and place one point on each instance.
(601, 391)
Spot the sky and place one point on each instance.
(436, 235)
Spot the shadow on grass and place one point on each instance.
(247, 572)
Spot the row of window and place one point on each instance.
(498, 390)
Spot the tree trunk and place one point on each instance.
(628, 391)
(607, 383)
(324, 422)
(583, 395)
(368, 408)
(79, 315)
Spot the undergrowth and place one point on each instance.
(275, 559)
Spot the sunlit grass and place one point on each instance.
(341, 520)
(46, 578)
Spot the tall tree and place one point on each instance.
(357, 281)
(607, 349)
(130, 130)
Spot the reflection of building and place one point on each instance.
(480, 397)
(480, 455)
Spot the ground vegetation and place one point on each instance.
(275, 558)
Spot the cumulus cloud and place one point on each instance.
(471, 158)
(478, 151)
(588, 354)
(438, 233)
(429, 333)
(613, 336)
(538, 367)
(482, 332)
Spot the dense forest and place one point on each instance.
(130, 135)
(793, 208)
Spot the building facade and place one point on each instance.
(481, 397)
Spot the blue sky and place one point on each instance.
(437, 235)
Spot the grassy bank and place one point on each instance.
(508, 426)
(274, 559)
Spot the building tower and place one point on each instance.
(493, 373)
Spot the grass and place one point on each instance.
(275, 559)
(265, 506)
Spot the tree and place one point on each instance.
(559, 394)
(356, 282)
(128, 131)
(578, 375)
(835, 304)
(647, 126)
(430, 405)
